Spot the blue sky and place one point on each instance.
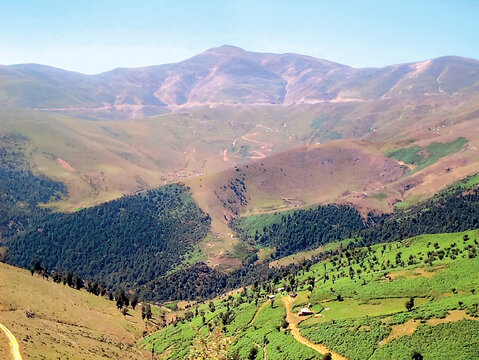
(95, 36)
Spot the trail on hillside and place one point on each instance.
(252, 322)
(13, 343)
(293, 326)
(259, 310)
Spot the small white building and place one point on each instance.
(306, 312)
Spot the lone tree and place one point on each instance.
(78, 282)
(121, 299)
(35, 267)
(409, 304)
(146, 311)
(212, 306)
(327, 356)
(417, 356)
(252, 353)
(134, 301)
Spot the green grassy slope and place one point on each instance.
(375, 291)
(361, 295)
(431, 154)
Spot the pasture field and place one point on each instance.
(369, 304)
(359, 297)
(67, 323)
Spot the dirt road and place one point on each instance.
(293, 326)
(13, 343)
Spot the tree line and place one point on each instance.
(452, 210)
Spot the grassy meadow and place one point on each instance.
(359, 297)
(67, 323)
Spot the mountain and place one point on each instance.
(227, 107)
(230, 75)
(249, 173)
(249, 133)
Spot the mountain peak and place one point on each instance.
(225, 50)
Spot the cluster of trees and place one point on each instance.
(234, 194)
(450, 211)
(72, 280)
(123, 299)
(123, 243)
(200, 282)
(308, 228)
(229, 308)
(353, 262)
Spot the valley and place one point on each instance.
(120, 153)
(241, 205)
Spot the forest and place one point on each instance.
(200, 282)
(452, 210)
(125, 242)
(316, 226)
(20, 190)
(139, 242)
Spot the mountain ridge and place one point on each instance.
(241, 50)
(230, 75)
(227, 107)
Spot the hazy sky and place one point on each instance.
(95, 36)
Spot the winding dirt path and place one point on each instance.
(259, 155)
(13, 343)
(259, 310)
(293, 326)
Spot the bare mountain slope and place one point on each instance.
(227, 107)
(337, 172)
(230, 75)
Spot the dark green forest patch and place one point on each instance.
(125, 242)
(20, 190)
(303, 229)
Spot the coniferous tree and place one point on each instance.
(134, 301)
